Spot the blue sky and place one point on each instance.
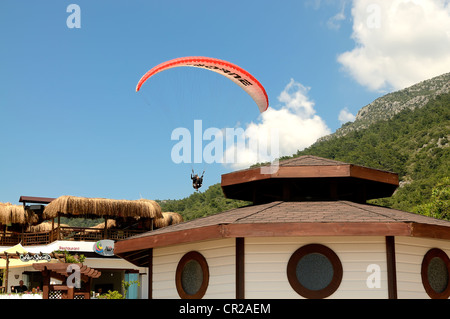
(72, 123)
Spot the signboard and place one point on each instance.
(73, 246)
(104, 247)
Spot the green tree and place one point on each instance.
(439, 205)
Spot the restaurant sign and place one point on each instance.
(104, 247)
(34, 257)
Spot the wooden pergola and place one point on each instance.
(60, 272)
(8, 256)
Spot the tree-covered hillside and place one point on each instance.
(201, 204)
(414, 144)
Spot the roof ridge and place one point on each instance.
(363, 207)
(259, 211)
(319, 158)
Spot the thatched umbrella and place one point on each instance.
(42, 227)
(72, 206)
(169, 218)
(110, 224)
(16, 214)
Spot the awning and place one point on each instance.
(14, 259)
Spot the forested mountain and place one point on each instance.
(387, 106)
(414, 144)
(201, 204)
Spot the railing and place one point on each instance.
(65, 233)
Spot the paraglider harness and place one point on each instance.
(196, 180)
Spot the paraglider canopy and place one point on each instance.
(233, 72)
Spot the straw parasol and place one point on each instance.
(169, 218)
(110, 224)
(16, 214)
(73, 206)
(42, 227)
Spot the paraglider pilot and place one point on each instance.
(196, 180)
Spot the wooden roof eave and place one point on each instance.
(320, 171)
(411, 229)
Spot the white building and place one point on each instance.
(308, 234)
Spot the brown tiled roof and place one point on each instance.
(304, 212)
(309, 160)
(283, 219)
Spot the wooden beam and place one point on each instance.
(150, 273)
(240, 268)
(36, 200)
(319, 171)
(105, 234)
(373, 175)
(138, 257)
(316, 229)
(52, 266)
(88, 288)
(46, 283)
(262, 230)
(53, 229)
(70, 292)
(58, 237)
(164, 239)
(391, 267)
(430, 231)
(6, 272)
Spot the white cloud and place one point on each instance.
(315, 4)
(345, 116)
(398, 42)
(295, 123)
(335, 21)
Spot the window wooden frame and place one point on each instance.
(196, 256)
(432, 253)
(292, 271)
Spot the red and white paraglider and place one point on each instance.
(235, 73)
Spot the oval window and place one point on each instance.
(192, 276)
(435, 274)
(314, 271)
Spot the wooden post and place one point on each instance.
(150, 273)
(6, 272)
(22, 237)
(59, 225)
(4, 232)
(240, 268)
(53, 229)
(105, 234)
(391, 267)
(70, 292)
(88, 288)
(46, 284)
